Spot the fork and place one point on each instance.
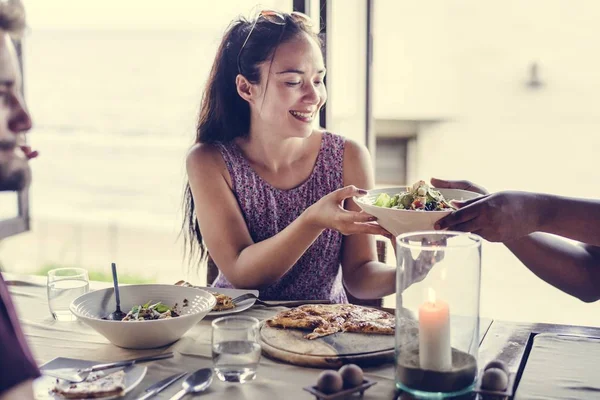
(75, 375)
(285, 303)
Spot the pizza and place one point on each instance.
(327, 319)
(224, 302)
(97, 385)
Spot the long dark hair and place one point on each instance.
(224, 115)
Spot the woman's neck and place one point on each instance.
(272, 150)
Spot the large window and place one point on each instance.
(504, 94)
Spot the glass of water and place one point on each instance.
(235, 348)
(65, 285)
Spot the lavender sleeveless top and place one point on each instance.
(268, 210)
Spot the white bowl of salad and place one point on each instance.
(157, 315)
(411, 208)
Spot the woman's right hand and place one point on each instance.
(329, 213)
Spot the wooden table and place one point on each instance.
(511, 342)
(507, 341)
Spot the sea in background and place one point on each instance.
(114, 114)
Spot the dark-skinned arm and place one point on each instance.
(527, 222)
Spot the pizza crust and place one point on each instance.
(94, 387)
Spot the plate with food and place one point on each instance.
(157, 315)
(109, 384)
(224, 298)
(329, 335)
(411, 208)
(225, 304)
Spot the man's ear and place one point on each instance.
(244, 88)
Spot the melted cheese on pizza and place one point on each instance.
(326, 319)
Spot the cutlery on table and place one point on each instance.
(116, 315)
(158, 387)
(270, 303)
(278, 303)
(77, 375)
(197, 382)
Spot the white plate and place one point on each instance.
(44, 384)
(233, 293)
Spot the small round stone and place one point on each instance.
(352, 375)
(494, 379)
(497, 364)
(330, 382)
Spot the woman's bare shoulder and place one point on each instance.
(204, 156)
(357, 164)
(353, 149)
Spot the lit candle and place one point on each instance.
(434, 335)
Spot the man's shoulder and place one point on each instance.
(16, 363)
(594, 251)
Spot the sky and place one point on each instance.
(141, 14)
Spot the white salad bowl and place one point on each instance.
(93, 306)
(398, 221)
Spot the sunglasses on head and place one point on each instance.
(276, 18)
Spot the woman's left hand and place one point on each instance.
(497, 217)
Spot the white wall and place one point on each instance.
(467, 61)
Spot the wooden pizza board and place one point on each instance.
(289, 345)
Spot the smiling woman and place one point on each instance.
(263, 178)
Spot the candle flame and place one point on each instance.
(431, 295)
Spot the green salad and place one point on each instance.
(420, 197)
(151, 311)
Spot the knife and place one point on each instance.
(158, 387)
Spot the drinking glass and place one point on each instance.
(65, 285)
(235, 348)
(437, 313)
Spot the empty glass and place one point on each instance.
(65, 285)
(235, 348)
